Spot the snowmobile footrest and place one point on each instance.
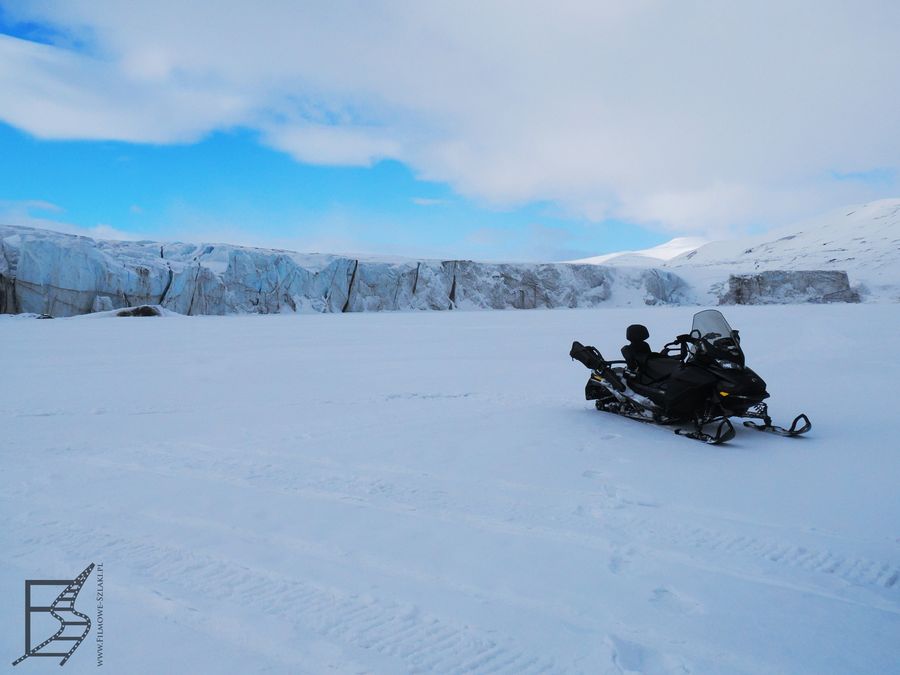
(724, 432)
(800, 425)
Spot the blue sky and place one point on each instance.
(487, 131)
(229, 186)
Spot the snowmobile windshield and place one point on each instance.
(710, 325)
(720, 341)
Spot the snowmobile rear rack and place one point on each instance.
(591, 358)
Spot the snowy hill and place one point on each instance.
(863, 241)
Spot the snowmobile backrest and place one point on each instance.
(636, 333)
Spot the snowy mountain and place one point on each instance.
(648, 257)
(63, 275)
(861, 241)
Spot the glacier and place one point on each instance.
(47, 272)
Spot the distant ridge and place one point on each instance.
(649, 257)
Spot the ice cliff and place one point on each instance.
(778, 287)
(48, 272)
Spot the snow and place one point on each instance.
(429, 492)
(648, 257)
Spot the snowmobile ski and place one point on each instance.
(796, 429)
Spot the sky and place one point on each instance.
(502, 130)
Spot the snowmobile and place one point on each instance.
(699, 378)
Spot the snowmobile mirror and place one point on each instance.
(737, 335)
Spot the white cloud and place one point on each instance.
(53, 93)
(694, 116)
(45, 215)
(337, 145)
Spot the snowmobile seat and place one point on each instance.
(658, 367)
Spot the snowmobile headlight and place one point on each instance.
(722, 363)
(723, 393)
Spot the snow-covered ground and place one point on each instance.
(430, 492)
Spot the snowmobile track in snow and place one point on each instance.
(422, 642)
(757, 555)
(854, 570)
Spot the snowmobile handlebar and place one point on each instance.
(680, 344)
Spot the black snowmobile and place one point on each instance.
(698, 378)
